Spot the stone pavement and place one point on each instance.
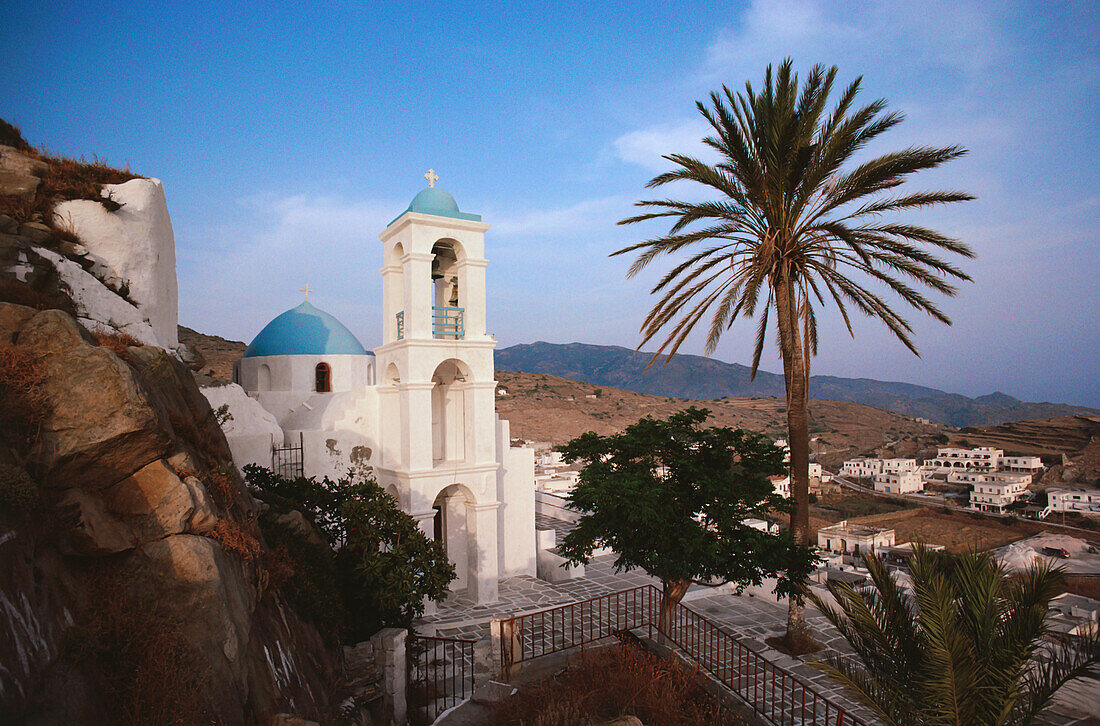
(750, 617)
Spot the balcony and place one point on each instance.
(447, 323)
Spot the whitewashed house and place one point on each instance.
(1083, 501)
(853, 539)
(901, 482)
(992, 491)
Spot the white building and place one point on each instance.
(992, 491)
(420, 410)
(1085, 501)
(983, 458)
(853, 539)
(903, 482)
(864, 468)
(781, 485)
(1020, 463)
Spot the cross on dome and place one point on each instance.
(432, 178)
(307, 290)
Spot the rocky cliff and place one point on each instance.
(136, 586)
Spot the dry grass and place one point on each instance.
(21, 293)
(618, 681)
(117, 343)
(24, 405)
(147, 670)
(234, 539)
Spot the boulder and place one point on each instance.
(191, 357)
(153, 502)
(12, 319)
(91, 528)
(19, 173)
(104, 425)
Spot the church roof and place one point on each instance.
(304, 330)
(438, 202)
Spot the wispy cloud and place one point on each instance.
(646, 147)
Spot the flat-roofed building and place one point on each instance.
(864, 468)
(853, 539)
(1083, 501)
(992, 491)
(904, 482)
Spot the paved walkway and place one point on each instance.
(751, 617)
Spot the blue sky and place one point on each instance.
(287, 136)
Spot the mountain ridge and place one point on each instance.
(697, 377)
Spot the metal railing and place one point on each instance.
(289, 461)
(771, 691)
(441, 675)
(448, 322)
(401, 325)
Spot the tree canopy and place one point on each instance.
(672, 498)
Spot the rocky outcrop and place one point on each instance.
(139, 580)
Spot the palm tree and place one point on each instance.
(790, 227)
(966, 646)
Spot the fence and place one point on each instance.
(441, 675)
(289, 461)
(773, 692)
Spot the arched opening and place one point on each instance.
(263, 378)
(449, 411)
(448, 289)
(322, 378)
(393, 292)
(452, 529)
(393, 376)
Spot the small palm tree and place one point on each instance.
(789, 227)
(965, 646)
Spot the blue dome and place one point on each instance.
(305, 330)
(438, 202)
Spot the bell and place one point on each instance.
(437, 273)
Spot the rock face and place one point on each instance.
(132, 247)
(141, 571)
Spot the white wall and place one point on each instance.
(134, 244)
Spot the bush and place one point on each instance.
(18, 491)
(384, 564)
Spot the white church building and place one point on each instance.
(420, 410)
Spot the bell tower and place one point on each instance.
(436, 383)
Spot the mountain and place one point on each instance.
(696, 377)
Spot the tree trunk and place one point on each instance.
(672, 593)
(798, 438)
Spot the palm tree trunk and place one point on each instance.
(798, 438)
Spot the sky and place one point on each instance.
(288, 135)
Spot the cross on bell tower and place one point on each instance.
(432, 178)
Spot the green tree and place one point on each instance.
(671, 497)
(792, 223)
(963, 647)
(384, 564)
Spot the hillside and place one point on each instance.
(696, 377)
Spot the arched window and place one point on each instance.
(324, 378)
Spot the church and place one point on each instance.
(420, 410)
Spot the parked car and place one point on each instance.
(1056, 552)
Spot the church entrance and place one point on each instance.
(452, 529)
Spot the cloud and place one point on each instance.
(583, 215)
(645, 147)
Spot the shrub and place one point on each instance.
(10, 135)
(18, 491)
(384, 564)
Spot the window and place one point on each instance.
(323, 376)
